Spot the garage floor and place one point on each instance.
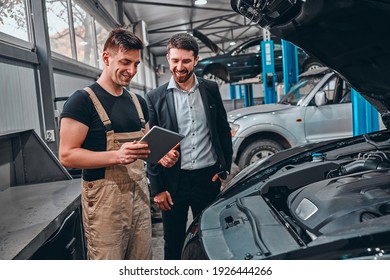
(158, 235)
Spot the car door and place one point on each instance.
(333, 119)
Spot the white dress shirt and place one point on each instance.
(196, 148)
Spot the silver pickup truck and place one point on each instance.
(317, 108)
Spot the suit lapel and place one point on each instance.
(205, 100)
(171, 109)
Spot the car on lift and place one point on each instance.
(324, 200)
(244, 62)
(317, 108)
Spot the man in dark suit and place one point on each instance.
(193, 107)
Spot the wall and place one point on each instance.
(19, 98)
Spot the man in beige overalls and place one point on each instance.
(100, 129)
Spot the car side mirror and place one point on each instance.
(320, 98)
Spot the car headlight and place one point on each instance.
(233, 128)
(193, 249)
(192, 232)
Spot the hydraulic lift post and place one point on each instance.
(268, 64)
(290, 65)
(364, 115)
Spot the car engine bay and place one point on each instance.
(336, 190)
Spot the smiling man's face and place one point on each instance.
(122, 65)
(181, 64)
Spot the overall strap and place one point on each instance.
(99, 108)
(139, 109)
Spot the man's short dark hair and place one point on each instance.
(123, 39)
(183, 41)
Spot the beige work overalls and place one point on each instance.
(116, 209)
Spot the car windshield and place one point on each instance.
(298, 92)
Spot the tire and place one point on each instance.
(216, 72)
(258, 150)
(214, 78)
(311, 64)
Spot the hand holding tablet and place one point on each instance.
(160, 142)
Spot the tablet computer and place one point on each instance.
(160, 142)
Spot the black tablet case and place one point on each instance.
(160, 141)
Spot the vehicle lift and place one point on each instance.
(290, 65)
(365, 116)
(268, 65)
(245, 91)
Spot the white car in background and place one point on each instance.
(317, 108)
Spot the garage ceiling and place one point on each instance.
(216, 20)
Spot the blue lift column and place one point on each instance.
(241, 91)
(290, 65)
(268, 64)
(245, 91)
(365, 116)
(248, 95)
(232, 91)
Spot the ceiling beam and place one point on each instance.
(175, 5)
(157, 30)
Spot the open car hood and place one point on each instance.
(205, 40)
(350, 36)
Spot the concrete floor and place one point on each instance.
(157, 241)
(157, 236)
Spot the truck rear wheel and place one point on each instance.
(258, 150)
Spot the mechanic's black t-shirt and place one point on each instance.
(120, 109)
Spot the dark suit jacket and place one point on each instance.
(162, 113)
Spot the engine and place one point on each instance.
(332, 192)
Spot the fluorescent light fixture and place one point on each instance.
(200, 2)
(232, 43)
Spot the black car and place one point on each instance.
(244, 62)
(326, 200)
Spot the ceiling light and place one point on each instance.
(200, 2)
(232, 43)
